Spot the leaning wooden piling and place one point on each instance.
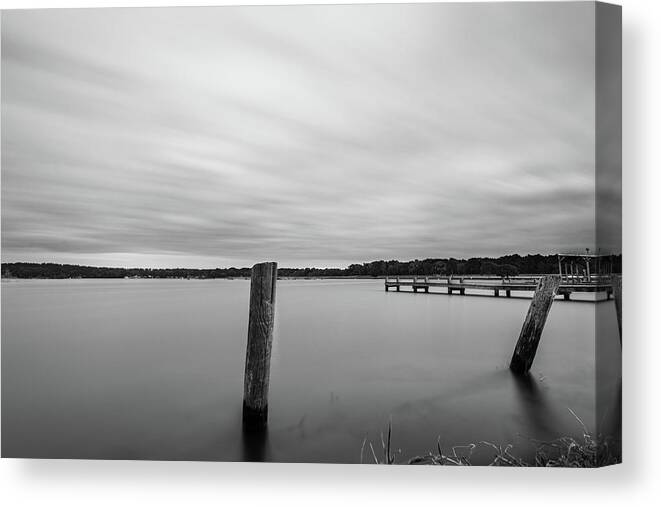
(260, 339)
(531, 332)
(617, 295)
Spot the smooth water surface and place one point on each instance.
(153, 369)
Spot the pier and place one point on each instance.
(497, 286)
(577, 272)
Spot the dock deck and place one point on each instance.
(497, 285)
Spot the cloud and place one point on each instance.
(314, 135)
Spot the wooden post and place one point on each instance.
(531, 332)
(559, 266)
(617, 295)
(260, 338)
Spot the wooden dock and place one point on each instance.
(466, 286)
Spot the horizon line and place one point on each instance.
(304, 267)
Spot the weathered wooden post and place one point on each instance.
(260, 338)
(617, 295)
(531, 332)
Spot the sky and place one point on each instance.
(308, 135)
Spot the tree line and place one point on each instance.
(508, 265)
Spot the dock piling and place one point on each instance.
(260, 338)
(531, 332)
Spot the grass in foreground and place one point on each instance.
(567, 452)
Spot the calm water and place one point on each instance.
(153, 369)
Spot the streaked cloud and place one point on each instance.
(311, 135)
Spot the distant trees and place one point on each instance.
(492, 268)
(508, 265)
(438, 268)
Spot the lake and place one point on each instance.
(153, 369)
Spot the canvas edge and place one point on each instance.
(608, 223)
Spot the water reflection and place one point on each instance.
(535, 405)
(255, 445)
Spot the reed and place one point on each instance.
(567, 452)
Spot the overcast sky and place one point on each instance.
(317, 135)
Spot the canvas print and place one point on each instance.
(360, 234)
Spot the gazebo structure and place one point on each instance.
(584, 267)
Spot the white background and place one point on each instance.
(636, 482)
